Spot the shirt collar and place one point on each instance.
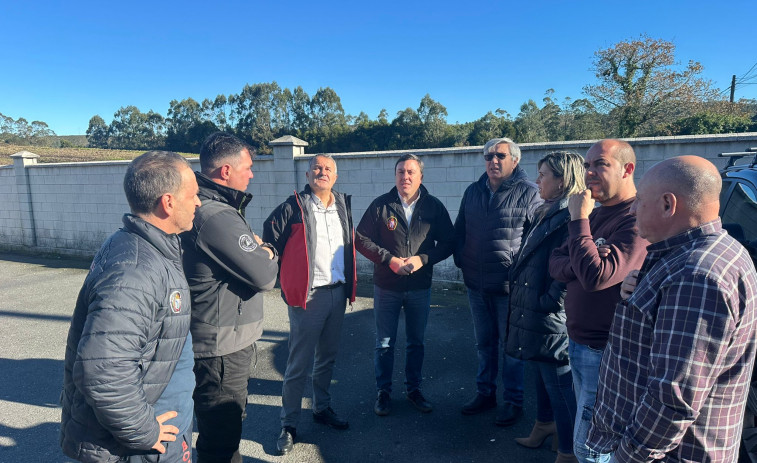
(689, 235)
(319, 204)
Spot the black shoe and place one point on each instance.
(383, 404)
(479, 404)
(416, 398)
(509, 415)
(330, 418)
(285, 442)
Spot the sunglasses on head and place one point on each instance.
(490, 156)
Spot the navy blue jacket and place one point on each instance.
(384, 233)
(488, 233)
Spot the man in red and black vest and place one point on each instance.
(313, 234)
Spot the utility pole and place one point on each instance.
(733, 86)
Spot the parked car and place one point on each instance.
(738, 212)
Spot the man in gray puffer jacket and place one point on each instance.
(128, 381)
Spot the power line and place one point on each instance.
(750, 70)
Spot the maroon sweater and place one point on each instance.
(594, 283)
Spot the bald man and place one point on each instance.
(603, 246)
(675, 373)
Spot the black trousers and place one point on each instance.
(220, 398)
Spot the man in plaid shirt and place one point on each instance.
(674, 377)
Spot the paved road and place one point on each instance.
(37, 297)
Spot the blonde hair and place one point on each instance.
(569, 166)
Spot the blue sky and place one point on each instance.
(64, 62)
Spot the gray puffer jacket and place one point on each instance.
(128, 329)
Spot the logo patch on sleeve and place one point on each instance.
(247, 243)
(175, 300)
(391, 223)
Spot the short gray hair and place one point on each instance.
(327, 156)
(514, 148)
(150, 176)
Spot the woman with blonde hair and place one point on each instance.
(537, 331)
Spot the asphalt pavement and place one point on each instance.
(37, 296)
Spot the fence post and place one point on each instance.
(21, 161)
(285, 175)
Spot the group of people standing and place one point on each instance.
(165, 322)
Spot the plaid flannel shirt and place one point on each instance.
(675, 374)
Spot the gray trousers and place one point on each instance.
(313, 344)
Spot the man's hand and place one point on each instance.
(413, 264)
(604, 251)
(580, 205)
(629, 284)
(167, 431)
(260, 243)
(398, 266)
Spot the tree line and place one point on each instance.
(640, 90)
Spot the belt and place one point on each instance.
(331, 286)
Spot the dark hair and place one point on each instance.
(150, 176)
(409, 157)
(220, 147)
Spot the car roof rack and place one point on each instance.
(733, 157)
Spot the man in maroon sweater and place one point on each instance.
(603, 246)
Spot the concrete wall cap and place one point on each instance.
(25, 155)
(287, 140)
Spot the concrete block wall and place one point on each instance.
(10, 218)
(75, 206)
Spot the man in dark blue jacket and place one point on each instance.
(127, 382)
(494, 212)
(404, 233)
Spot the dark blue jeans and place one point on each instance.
(490, 312)
(555, 400)
(387, 305)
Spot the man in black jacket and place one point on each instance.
(404, 233)
(228, 267)
(493, 213)
(127, 382)
(312, 231)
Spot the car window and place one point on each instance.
(740, 214)
(724, 192)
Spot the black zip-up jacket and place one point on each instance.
(384, 233)
(227, 272)
(127, 332)
(291, 230)
(536, 329)
(488, 232)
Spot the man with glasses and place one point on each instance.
(494, 212)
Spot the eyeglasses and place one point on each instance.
(490, 156)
